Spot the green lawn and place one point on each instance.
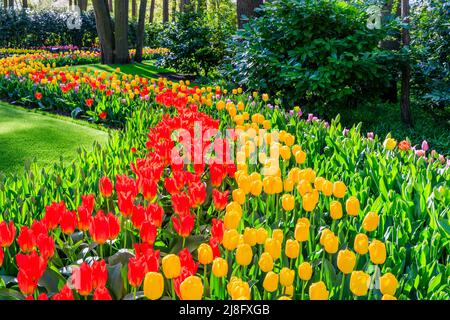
(145, 69)
(26, 135)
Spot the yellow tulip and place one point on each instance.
(361, 244)
(191, 288)
(153, 285)
(171, 266)
(230, 239)
(327, 188)
(205, 254)
(289, 291)
(304, 187)
(265, 262)
(388, 297)
(232, 219)
(318, 183)
(278, 235)
(346, 261)
(339, 189)
(331, 243)
(270, 283)
(250, 236)
(359, 283)
(261, 235)
(305, 271)
(390, 144)
(288, 185)
(244, 254)
(300, 157)
(273, 247)
(292, 249)
(309, 202)
(318, 291)
(301, 231)
(388, 284)
(256, 188)
(335, 210)
(220, 267)
(287, 277)
(377, 251)
(238, 289)
(352, 206)
(239, 196)
(371, 221)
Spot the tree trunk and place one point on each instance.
(246, 8)
(165, 11)
(390, 94)
(110, 5)
(83, 5)
(5, 4)
(174, 9)
(24, 4)
(104, 30)
(141, 31)
(184, 4)
(133, 9)
(406, 70)
(152, 11)
(121, 31)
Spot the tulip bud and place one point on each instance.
(232, 219)
(361, 244)
(288, 202)
(153, 285)
(171, 266)
(388, 284)
(273, 247)
(270, 283)
(261, 235)
(389, 144)
(370, 222)
(287, 277)
(388, 297)
(256, 188)
(327, 188)
(220, 267)
(302, 231)
(346, 261)
(238, 289)
(244, 254)
(331, 243)
(205, 254)
(359, 283)
(265, 262)
(304, 187)
(250, 236)
(278, 235)
(230, 239)
(335, 210)
(239, 196)
(309, 202)
(352, 206)
(292, 249)
(305, 271)
(339, 189)
(377, 251)
(191, 288)
(318, 183)
(318, 291)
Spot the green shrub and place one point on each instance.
(316, 53)
(195, 46)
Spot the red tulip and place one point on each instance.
(148, 232)
(84, 218)
(188, 268)
(31, 268)
(102, 293)
(42, 297)
(105, 187)
(148, 256)
(53, 214)
(103, 115)
(217, 174)
(197, 193)
(149, 189)
(214, 243)
(217, 229)
(88, 202)
(26, 239)
(125, 203)
(181, 204)
(7, 233)
(220, 199)
(68, 222)
(99, 274)
(139, 216)
(136, 272)
(64, 294)
(38, 95)
(183, 225)
(171, 186)
(99, 228)
(89, 102)
(155, 213)
(82, 279)
(46, 246)
(39, 227)
(113, 225)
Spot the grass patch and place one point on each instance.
(27, 136)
